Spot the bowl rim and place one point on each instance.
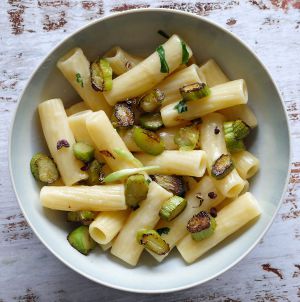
(65, 261)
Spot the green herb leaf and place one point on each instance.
(164, 68)
(163, 231)
(185, 53)
(79, 79)
(181, 107)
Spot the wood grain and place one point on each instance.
(28, 29)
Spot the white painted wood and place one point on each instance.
(28, 29)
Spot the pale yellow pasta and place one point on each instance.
(121, 61)
(107, 139)
(146, 216)
(240, 112)
(214, 145)
(146, 74)
(166, 135)
(222, 96)
(78, 107)
(170, 86)
(198, 200)
(56, 127)
(190, 163)
(213, 74)
(90, 198)
(230, 219)
(107, 225)
(246, 164)
(76, 68)
(106, 247)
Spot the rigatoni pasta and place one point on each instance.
(157, 165)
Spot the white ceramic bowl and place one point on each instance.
(136, 31)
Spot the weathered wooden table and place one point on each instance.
(28, 30)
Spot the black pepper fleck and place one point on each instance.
(212, 195)
(217, 130)
(213, 212)
(62, 143)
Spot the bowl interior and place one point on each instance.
(137, 32)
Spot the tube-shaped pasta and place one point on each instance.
(121, 61)
(146, 74)
(240, 112)
(230, 219)
(212, 73)
(107, 246)
(78, 107)
(89, 198)
(76, 68)
(107, 139)
(246, 164)
(166, 135)
(222, 96)
(125, 246)
(107, 225)
(170, 86)
(77, 124)
(190, 163)
(56, 127)
(198, 199)
(214, 145)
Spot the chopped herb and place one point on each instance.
(148, 181)
(164, 68)
(181, 107)
(212, 195)
(213, 212)
(185, 53)
(79, 79)
(62, 143)
(164, 34)
(217, 130)
(161, 231)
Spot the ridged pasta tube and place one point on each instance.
(246, 164)
(107, 225)
(240, 112)
(222, 96)
(89, 198)
(146, 74)
(121, 61)
(230, 219)
(203, 196)
(76, 68)
(170, 86)
(212, 73)
(78, 107)
(214, 145)
(190, 163)
(146, 216)
(55, 128)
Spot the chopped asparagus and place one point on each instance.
(187, 137)
(194, 91)
(83, 152)
(95, 173)
(81, 241)
(151, 121)
(172, 183)
(101, 75)
(239, 129)
(152, 241)
(201, 226)
(148, 141)
(84, 217)
(43, 168)
(222, 166)
(172, 207)
(152, 101)
(123, 115)
(136, 190)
